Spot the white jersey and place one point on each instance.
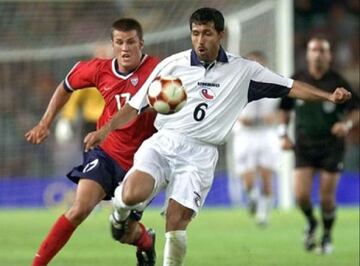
(258, 110)
(216, 94)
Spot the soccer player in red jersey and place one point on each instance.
(104, 167)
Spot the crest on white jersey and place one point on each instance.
(134, 80)
(207, 94)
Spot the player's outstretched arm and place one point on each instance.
(121, 118)
(41, 131)
(307, 92)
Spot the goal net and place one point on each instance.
(40, 41)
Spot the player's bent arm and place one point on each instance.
(120, 119)
(58, 100)
(304, 91)
(342, 128)
(284, 119)
(40, 132)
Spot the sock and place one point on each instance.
(175, 248)
(121, 214)
(263, 209)
(145, 241)
(309, 215)
(328, 218)
(54, 241)
(253, 194)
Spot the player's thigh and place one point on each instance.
(149, 172)
(137, 187)
(303, 181)
(89, 193)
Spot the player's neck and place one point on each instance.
(125, 71)
(317, 73)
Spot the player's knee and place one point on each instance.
(78, 213)
(130, 196)
(302, 202)
(178, 218)
(327, 202)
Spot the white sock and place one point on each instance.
(175, 248)
(121, 211)
(263, 210)
(253, 194)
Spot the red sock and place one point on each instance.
(55, 240)
(145, 240)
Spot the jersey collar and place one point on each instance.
(222, 57)
(126, 75)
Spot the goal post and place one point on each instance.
(266, 26)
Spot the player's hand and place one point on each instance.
(340, 129)
(286, 144)
(93, 139)
(37, 134)
(340, 95)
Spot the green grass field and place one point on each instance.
(217, 237)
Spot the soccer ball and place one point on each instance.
(166, 95)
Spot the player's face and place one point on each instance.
(318, 54)
(206, 41)
(127, 49)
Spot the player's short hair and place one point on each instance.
(127, 24)
(321, 38)
(207, 14)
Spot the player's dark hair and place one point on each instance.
(319, 37)
(205, 15)
(127, 24)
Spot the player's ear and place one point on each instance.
(221, 35)
(141, 44)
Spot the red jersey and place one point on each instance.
(116, 89)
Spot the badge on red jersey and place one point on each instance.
(134, 80)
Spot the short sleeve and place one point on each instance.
(82, 75)
(267, 84)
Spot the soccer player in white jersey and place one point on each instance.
(182, 155)
(256, 150)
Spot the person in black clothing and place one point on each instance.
(320, 128)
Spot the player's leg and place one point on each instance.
(133, 195)
(303, 188)
(177, 219)
(328, 185)
(265, 199)
(248, 178)
(245, 166)
(88, 194)
(191, 178)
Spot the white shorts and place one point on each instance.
(184, 167)
(254, 148)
